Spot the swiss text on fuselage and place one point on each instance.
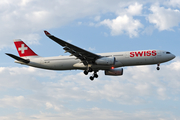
(143, 53)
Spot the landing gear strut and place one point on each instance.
(158, 68)
(88, 70)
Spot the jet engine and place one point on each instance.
(106, 61)
(114, 72)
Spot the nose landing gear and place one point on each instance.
(158, 68)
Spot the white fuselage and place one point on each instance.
(129, 58)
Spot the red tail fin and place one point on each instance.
(23, 49)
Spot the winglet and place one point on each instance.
(47, 33)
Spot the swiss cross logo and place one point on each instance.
(22, 48)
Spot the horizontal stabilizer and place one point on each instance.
(18, 58)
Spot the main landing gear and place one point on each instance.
(88, 70)
(158, 68)
(95, 75)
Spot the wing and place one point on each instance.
(85, 56)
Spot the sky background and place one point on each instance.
(99, 26)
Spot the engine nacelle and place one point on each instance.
(114, 72)
(106, 61)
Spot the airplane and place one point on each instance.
(110, 63)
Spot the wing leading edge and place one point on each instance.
(85, 56)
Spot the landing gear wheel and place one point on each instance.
(91, 78)
(96, 75)
(86, 72)
(158, 68)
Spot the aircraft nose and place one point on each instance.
(173, 56)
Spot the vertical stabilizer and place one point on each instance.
(23, 49)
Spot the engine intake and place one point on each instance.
(106, 61)
(114, 72)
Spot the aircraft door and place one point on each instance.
(157, 57)
(159, 53)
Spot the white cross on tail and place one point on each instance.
(22, 48)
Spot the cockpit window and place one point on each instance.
(168, 53)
